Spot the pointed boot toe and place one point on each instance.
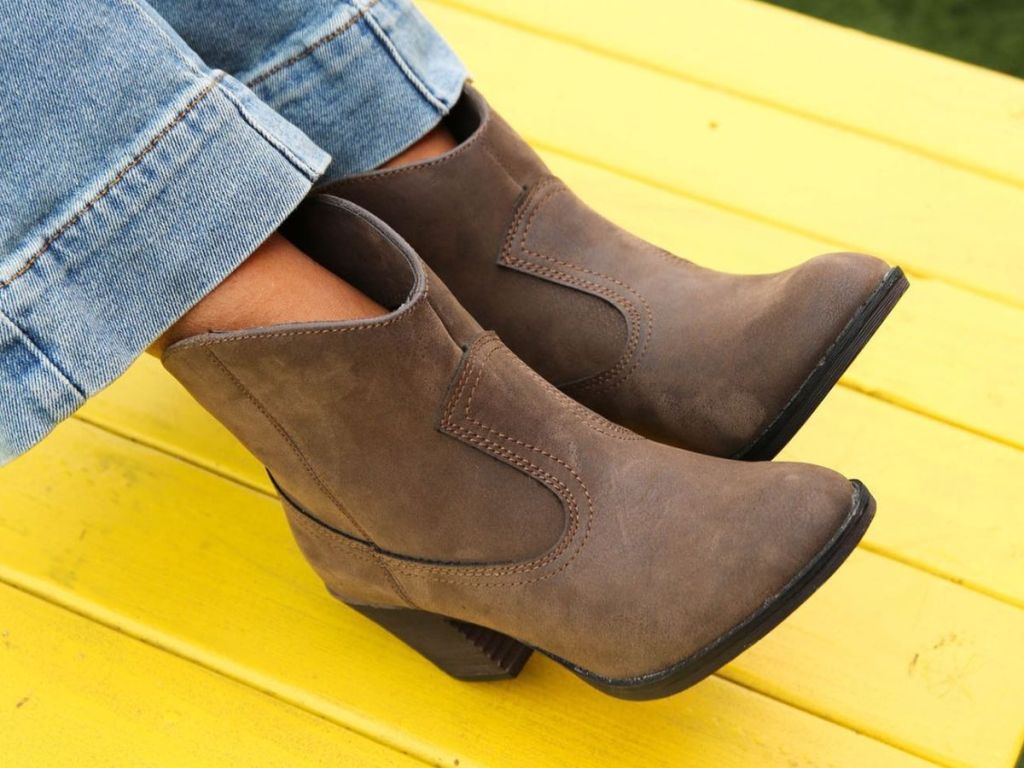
(747, 549)
(811, 322)
(727, 365)
(446, 491)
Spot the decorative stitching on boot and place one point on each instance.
(492, 344)
(480, 575)
(503, 436)
(594, 420)
(315, 528)
(437, 572)
(589, 418)
(608, 377)
(533, 203)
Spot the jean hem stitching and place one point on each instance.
(309, 49)
(118, 178)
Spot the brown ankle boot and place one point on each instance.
(727, 365)
(442, 488)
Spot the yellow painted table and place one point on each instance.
(153, 610)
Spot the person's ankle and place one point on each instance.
(280, 284)
(436, 143)
(277, 284)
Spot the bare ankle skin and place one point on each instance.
(435, 143)
(278, 283)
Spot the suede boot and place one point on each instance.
(728, 365)
(443, 489)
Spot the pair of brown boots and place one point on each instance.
(468, 496)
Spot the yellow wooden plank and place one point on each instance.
(886, 647)
(964, 114)
(188, 560)
(937, 219)
(921, 356)
(949, 501)
(74, 693)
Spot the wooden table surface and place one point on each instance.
(154, 610)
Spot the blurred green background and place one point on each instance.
(985, 32)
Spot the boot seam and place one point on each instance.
(475, 574)
(491, 151)
(568, 499)
(539, 196)
(591, 418)
(304, 461)
(229, 338)
(409, 566)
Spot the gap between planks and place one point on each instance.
(214, 663)
(293, 697)
(906, 405)
(90, 687)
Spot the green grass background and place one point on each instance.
(985, 32)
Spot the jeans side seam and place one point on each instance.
(313, 46)
(45, 359)
(403, 65)
(118, 177)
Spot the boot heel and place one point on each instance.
(463, 650)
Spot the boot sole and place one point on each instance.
(858, 331)
(473, 653)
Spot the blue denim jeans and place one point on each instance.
(146, 150)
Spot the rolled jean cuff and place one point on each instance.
(219, 174)
(364, 84)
